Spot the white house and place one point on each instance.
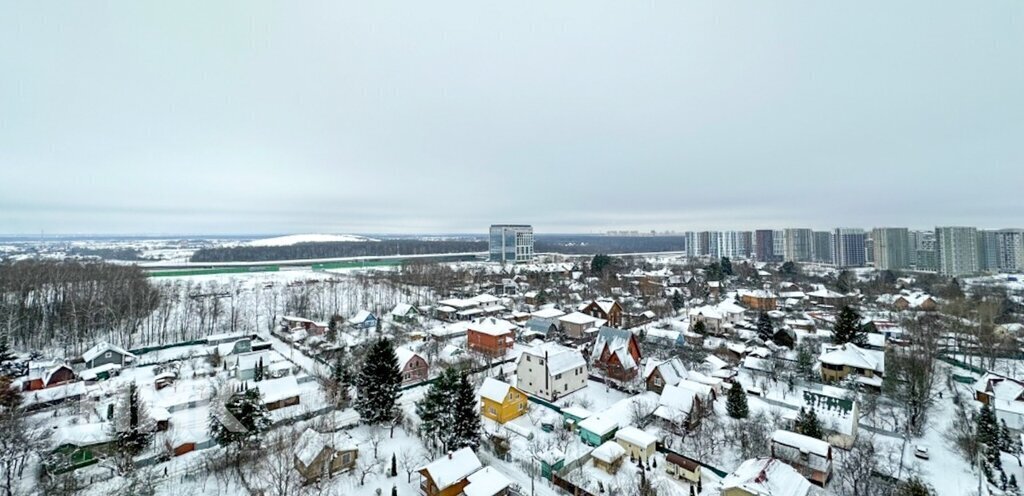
(551, 371)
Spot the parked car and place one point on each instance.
(921, 452)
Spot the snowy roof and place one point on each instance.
(458, 303)
(452, 468)
(715, 362)
(852, 355)
(608, 452)
(672, 371)
(825, 293)
(540, 325)
(103, 347)
(402, 310)
(702, 390)
(835, 413)
(767, 477)
(494, 389)
(492, 326)
(730, 307)
(278, 389)
(578, 318)
(93, 373)
(598, 425)
(361, 317)
(309, 446)
(548, 313)
(706, 311)
(487, 481)
(675, 402)
(404, 355)
(1001, 387)
(82, 435)
(577, 411)
(485, 298)
(617, 342)
(635, 436)
(560, 358)
(804, 443)
(292, 318)
(605, 304)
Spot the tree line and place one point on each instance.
(302, 251)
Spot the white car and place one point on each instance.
(921, 452)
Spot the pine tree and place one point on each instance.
(764, 326)
(341, 376)
(378, 384)
(736, 403)
(133, 430)
(394, 465)
(258, 373)
(699, 327)
(678, 302)
(1005, 438)
(994, 462)
(848, 328)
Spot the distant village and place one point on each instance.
(770, 362)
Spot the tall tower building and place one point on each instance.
(891, 247)
(823, 247)
(848, 247)
(957, 251)
(799, 244)
(764, 245)
(1010, 249)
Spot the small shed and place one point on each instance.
(681, 467)
(637, 443)
(608, 456)
(597, 430)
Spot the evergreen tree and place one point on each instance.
(808, 424)
(10, 396)
(678, 302)
(341, 377)
(845, 282)
(599, 263)
(1005, 438)
(133, 430)
(247, 408)
(736, 403)
(394, 465)
(726, 266)
(988, 430)
(1012, 485)
(764, 326)
(466, 415)
(5, 345)
(433, 411)
(332, 329)
(700, 328)
(994, 463)
(258, 373)
(449, 412)
(848, 328)
(713, 272)
(378, 384)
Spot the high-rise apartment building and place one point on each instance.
(1009, 249)
(764, 245)
(891, 247)
(823, 247)
(848, 247)
(957, 251)
(511, 243)
(799, 244)
(779, 245)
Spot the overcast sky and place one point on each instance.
(574, 116)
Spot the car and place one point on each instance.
(921, 452)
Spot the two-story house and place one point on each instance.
(551, 371)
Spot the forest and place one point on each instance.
(338, 249)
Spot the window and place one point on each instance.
(346, 458)
(528, 358)
(107, 355)
(658, 381)
(522, 406)
(559, 376)
(492, 411)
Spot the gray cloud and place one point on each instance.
(252, 117)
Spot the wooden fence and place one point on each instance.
(569, 487)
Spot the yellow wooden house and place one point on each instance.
(500, 401)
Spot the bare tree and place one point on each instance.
(865, 470)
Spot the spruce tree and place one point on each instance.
(246, 406)
(700, 328)
(435, 412)
(394, 465)
(133, 431)
(988, 430)
(466, 415)
(810, 425)
(764, 326)
(258, 373)
(726, 266)
(1005, 438)
(848, 328)
(378, 384)
(341, 377)
(736, 403)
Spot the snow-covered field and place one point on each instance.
(294, 239)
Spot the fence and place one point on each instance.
(715, 470)
(569, 487)
(966, 366)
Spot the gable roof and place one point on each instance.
(452, 468)
(675, 402)
(767, 477)
(403, 310)
(103, 347)
(852, 355)
(635, 436)
(404, 356)
(616, 341)
(560, 358)
(361, 317)
(487, 481)
(494, 389)
(492, 326)
(578, 318)
(672, 371)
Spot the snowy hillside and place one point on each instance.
(308, 238)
